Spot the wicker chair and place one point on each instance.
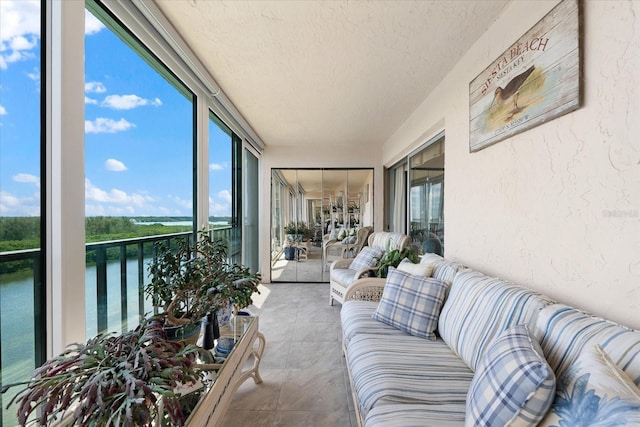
(336, 250)
(341, 277)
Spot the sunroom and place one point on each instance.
(246, 117)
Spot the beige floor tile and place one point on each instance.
(260, 397)
(304, 390)
(317, 332)
(242, 418)
(312, 419)
(304, 371)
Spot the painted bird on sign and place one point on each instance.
(510, 91)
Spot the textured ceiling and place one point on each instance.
(328, 72)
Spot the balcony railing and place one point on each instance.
(119, 256)
(109, 267)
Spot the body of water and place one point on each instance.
(181, 223)
(16, 317)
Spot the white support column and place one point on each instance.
(203, 162)
(65, 175)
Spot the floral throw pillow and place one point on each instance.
(594, 391)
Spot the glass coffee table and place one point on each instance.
(221, 380)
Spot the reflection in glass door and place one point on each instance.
(308, 205)
(426, 198)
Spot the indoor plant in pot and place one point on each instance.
(196, 279)
(127, 379)
(296, 232)
(391, 258)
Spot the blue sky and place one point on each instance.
(138, 128)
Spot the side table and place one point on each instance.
(229, 375)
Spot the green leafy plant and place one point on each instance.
(299, 228)
(297, 231)
(196, 279)
(112, 380)
(391, 258)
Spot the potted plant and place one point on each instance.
(391, 258)
(129, 379)
(197, 279)
(296, 232)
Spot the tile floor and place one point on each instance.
(304, 372)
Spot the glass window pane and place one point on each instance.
(225, 185)
(21, 279)
(139, 155)
(427, 198)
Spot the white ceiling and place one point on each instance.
(328, 72)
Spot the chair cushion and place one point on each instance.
(368, 257)
(416, 269)
(594, 391)
(411, 303)
(343, 276)
(384, 240)
(513, 384)
(334, 234)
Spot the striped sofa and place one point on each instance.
(399, 379)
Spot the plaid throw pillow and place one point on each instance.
(513, 385)
(367, 258)
(411, 303)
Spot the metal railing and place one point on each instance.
(100, 254)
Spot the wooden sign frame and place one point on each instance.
(536, 80)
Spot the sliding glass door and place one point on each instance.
(426, 197)
(307, 205)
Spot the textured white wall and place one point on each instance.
(556, 208)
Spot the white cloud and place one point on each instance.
(127, 102)
(18, 18)
(11, 205)
(224, 195)
(94, 87)
(19, 30)
(185, 203)
(116, 196)
(35, 75)
(217, 166)
(114, 165)
(91, 24)
(27, 178)
(119, 202)
(3, 111)
(88, 100)
(104, 125)
(20, 43)
(8, 200)
(221, 205)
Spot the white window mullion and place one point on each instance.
(65, 173)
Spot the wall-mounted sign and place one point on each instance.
(535, 80)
